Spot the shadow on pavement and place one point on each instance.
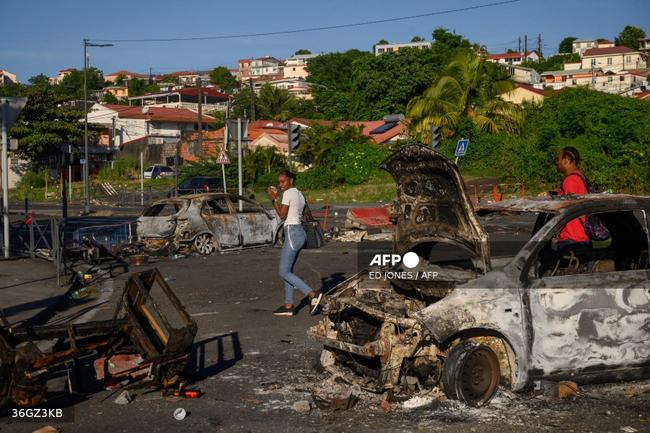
(203, 364)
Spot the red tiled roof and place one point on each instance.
(158, 114)
(245, 60)
(127, 73)
(642, 95)
(509, 55)
(534, 89)
(205, 91)
(638, 72)
(266, 124)
(608, 50)
(366, 126)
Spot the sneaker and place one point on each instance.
(283, 311)
(315, 302)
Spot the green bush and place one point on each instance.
(316, 178)
(34, 179)
(122, 169)
(358, 162)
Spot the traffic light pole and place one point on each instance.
(289, 145)
(5, 179)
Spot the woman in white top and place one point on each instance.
(291, 210)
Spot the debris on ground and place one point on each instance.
(150, 329)
(368, 217)
(352, 236)
(48, 429)
(567, 389)
(302, 406)
(123, 398)
(180, 414)
(343, 401)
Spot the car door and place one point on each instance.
(597, 321)
(255, 223)
(222, 221)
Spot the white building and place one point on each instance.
(523, 75)
(265, 66)
(579, 46)
(159, 124)
(392, 48)
(516, 58)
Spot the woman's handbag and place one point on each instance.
(314, 235)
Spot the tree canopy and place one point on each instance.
(302, 51)
(566, 45)
(221, 76)
(630, 36)
(72, 85)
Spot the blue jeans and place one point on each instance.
(294, 241)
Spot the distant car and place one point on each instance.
(198, 184)
(156, 171)
(207, 223)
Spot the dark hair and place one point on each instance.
(288, 174)
(571, 153)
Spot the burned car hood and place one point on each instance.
(433, 204)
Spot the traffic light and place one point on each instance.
(436, 136)
(293, 131)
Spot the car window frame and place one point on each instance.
(183, 206)
(228, 204)
(527, 255)
(234, 198)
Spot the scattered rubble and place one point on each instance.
(302, 406)
(151, 332)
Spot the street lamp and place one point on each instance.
(86, 176)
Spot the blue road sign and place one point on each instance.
(461, 147)
(82, 161)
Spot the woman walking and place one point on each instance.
(291, 210)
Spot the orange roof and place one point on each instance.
(608, 50)
(509, 55)
(158, 114)
(127, 73)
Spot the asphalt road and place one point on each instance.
(253, 366)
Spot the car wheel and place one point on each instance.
(205, 244)
(471, 374)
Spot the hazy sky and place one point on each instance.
(41, 36)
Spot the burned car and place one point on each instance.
(582, 315)
(207, 223)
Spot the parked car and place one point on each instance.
(198, 184)
(578, 314)
(156, 171)
(207, 223)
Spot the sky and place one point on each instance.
(42, 36)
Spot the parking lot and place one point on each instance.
(252, 367)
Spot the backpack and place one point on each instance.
(595, 228)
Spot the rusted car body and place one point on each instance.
(583, 315)
(207, 223)
(149, 324)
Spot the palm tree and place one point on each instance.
(272, 102)
(467, 89)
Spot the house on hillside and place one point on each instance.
(61, 75)
(614, 59)
(393, 48)
(296, 66)
(134, 129)
(188, 98)
(268, 65)
(524, 93)
(127, 75)
(516, 58)
(7, 77)
(520, 74)
(579, 46)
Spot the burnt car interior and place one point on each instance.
(626, 249)
(216, 206)
(163, 209)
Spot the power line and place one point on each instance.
(314, 29)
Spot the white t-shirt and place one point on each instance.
(296, 202)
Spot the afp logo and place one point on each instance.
(410, 260)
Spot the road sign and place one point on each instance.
(461, 147)
(82, 161)
(223, 157)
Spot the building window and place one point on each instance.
(609, 60)
(380, 50)
(389, 50)
(593, 62)
(610, 79)
(574, 82)
(622, 78)
(628, 59)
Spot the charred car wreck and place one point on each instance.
(207, 223)
(582, 315)
(150, 337)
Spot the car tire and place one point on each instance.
(205, 244)
(471, 373)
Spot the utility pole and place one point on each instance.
(87, 44)
(200, 96)
(150, 75)
(5, 177)
(525, 45)
(539, 45)
(239, 163)
(250, 86)
(519, 44)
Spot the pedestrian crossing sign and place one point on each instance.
(461, 147)
(223, 157)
